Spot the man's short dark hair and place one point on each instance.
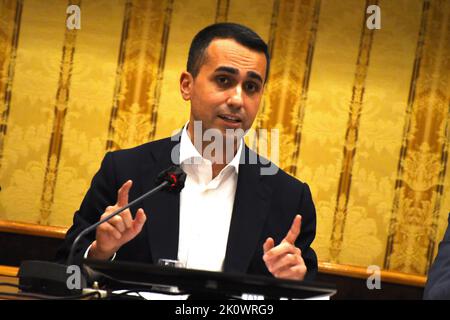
(241, 34)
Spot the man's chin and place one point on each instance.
(221, 130)
(231, 133)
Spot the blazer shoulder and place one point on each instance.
(144, 150)
(276, 175)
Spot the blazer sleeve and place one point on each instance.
(438, 282)
(102, 193)
(308, 232)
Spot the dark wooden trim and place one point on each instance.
(32, 229)
(7, 271)
(361, 273)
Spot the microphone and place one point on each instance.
(171, 179)
(52, 278)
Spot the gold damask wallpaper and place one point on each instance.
(364, 114)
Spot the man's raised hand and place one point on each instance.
(285, 260)
(114, 233)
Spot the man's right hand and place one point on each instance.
(114, 233)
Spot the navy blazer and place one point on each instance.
(264, 206)
(438, 282)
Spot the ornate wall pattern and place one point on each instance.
(423, 159)
(351, 138)
(291, 42)
(11, 12)
(60, 111)
(222, 10)
(141, 64)
(364, 114)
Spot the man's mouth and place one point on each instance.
(230, 118)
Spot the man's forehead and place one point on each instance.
(228, 52)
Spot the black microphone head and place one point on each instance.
(175, 176)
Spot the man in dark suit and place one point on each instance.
(234, 214)
(438, 282)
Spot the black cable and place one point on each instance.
(81, 296)
(21, 295)
(138, 287)
(47, 297)
(151, 290)
(138, 292)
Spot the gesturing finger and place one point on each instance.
(268, 244)
(127, 218)
(118, 223)
(122, 194)
(294, 231)
(139, 221)
(109, 229)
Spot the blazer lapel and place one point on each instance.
(162, 208)
(251, 206)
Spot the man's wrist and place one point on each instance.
(95, 253)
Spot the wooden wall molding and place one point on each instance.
(361, 273)
(32, 229)
(7, 271)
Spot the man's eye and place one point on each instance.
(223, 81)
(251, 87)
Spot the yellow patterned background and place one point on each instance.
(364, 114)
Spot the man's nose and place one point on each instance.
(236, 99)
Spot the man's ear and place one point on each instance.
(186, 84)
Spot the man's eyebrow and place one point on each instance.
(227, 69)
(255, 75)
(232, 70)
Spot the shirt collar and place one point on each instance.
(189, 152)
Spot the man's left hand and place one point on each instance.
(285, 260)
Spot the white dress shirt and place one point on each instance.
(206, 206)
